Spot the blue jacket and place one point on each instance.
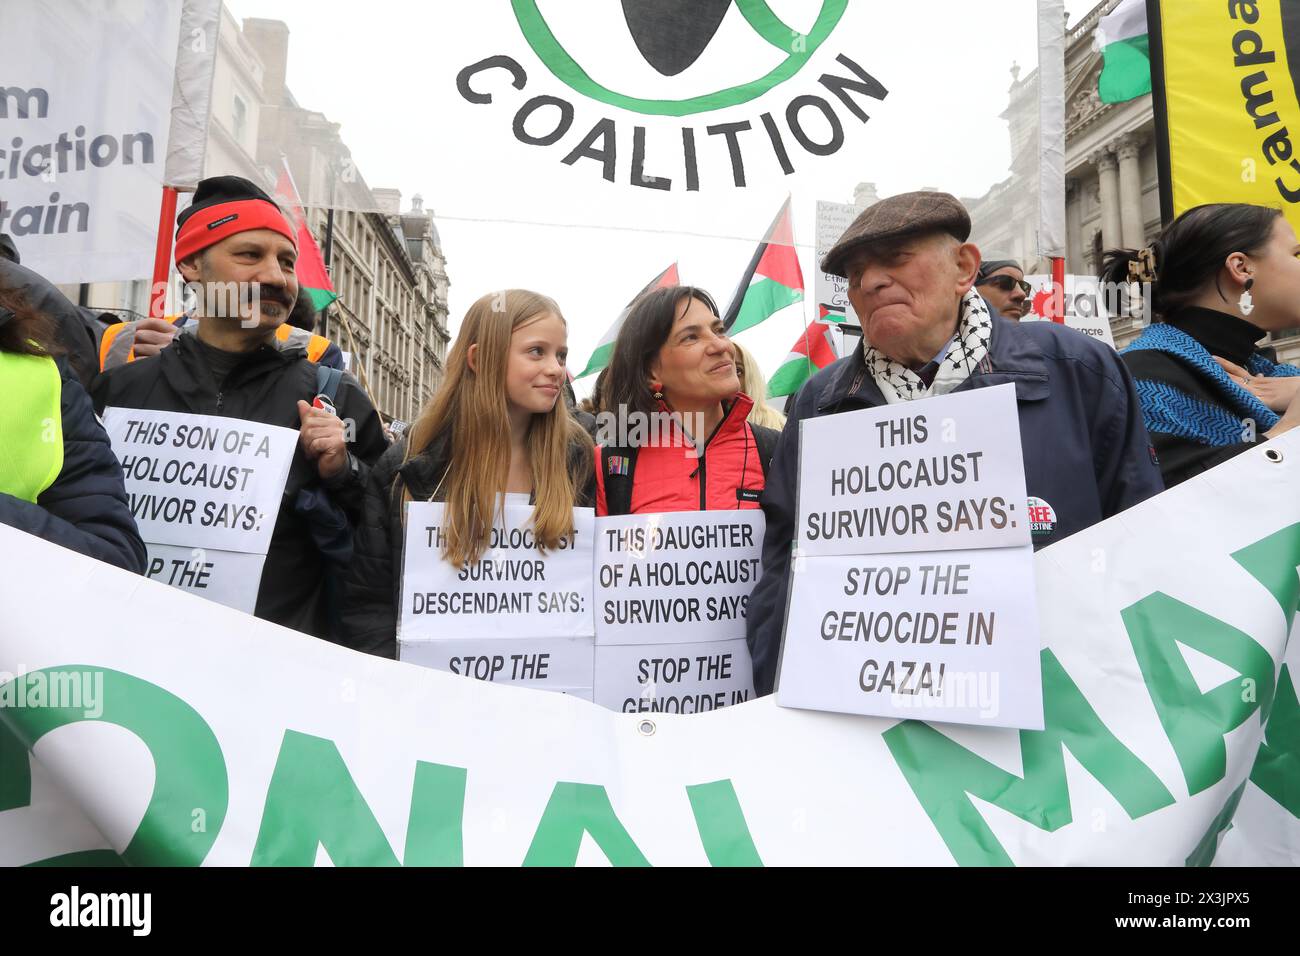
(1079, 417)
(86, 507)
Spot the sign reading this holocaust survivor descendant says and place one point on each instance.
(516, 616)
(205, 492)
(671, 597)
(912, 582)
(932, 475)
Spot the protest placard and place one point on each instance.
(675, 578)
(931, 475)
(514, 590)
(832, 292)
(205, 492)
(912, 579)
(673, 678)
(944, 636)
(1085, 306)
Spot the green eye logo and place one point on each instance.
(671, 52)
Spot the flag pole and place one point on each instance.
(163, 255)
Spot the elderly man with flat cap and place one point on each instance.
(926, 331)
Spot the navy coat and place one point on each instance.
(1086, 450)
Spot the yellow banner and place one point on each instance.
(1230, 71)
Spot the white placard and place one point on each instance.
(563, 665)
(202, 481)
(930, 475)
(231, 578)
(513, 591)
(1085, 307)
(937, 636)
(833, 220)
(85, 113)
(676, 578)
(674, 678)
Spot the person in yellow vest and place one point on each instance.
(59, 478)
(127, 341)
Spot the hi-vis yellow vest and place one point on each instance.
(31, 425)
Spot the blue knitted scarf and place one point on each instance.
(1171, 411)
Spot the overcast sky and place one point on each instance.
(512, 214)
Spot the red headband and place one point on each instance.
(209, 226)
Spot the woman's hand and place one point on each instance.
(1276, 393)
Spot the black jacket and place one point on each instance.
(373, 587)
(265, 387)
(1086, 450)
(85, 509)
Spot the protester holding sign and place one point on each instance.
(497, 426)
(911, 274)
(58, 477)
(1221, 277)
(236, 249)
(674, 436)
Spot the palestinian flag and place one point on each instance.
(811, 352)
(830, 313)
(1122, 38)
(600, 358)
(312, 276)
(773, 280)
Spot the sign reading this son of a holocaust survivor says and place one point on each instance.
(205, 492)
(931, 475)
(912, 586)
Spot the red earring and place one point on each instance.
(657, 389)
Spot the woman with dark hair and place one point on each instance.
(59, 479)
(1221, 277)
(681, 441)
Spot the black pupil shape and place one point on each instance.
(671, 34)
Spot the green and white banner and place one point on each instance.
(141, 724)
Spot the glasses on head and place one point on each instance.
(1006, 283)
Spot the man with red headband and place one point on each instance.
(237, 251)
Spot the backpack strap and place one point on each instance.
(618, 465)
(765, 439)
(328, 381)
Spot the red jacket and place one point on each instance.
(671, 477)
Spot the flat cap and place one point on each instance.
(904, 215)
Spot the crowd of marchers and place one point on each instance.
(1100, 430)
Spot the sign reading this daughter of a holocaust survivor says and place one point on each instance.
(205, 493)
(672, 592)
(931, 475)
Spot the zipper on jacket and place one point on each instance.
(704, 505)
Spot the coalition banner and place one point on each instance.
(141, 725)
(85, 112)
(1225, 79)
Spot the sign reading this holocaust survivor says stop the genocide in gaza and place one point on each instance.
(912, 589)
(205, 492)
(519, 615)
(671, 597)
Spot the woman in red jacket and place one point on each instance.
(674, 435)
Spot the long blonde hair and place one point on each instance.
(472, 405)
(752, 384)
